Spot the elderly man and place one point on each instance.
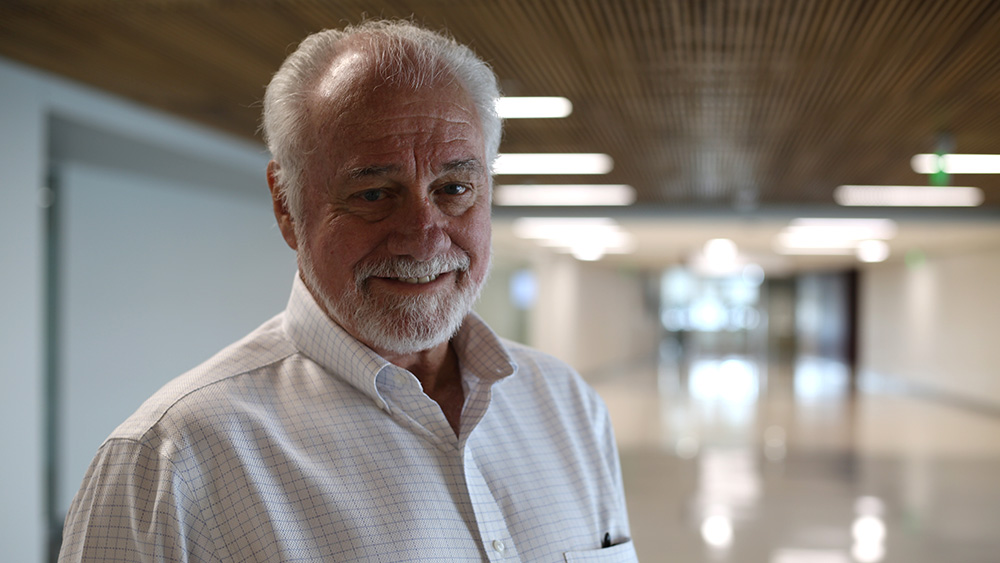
(376, 418)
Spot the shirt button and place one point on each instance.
(499, 546)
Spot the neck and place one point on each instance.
(432, 366)
(438, 371)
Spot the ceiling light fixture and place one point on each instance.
(956, 163)
(908, 196)
(533, 107)
(838, 236)
(719, 257)
(720, 250)
(553, 163)
(564, 194)
(842, 228)
(792, 241)
(832, 251)
(587, 238)
(873, 250)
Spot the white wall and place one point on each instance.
(496, 302)
(22, 149)
(592, 316)
(615, 326)
(169, 253)
(934, 325)
(553, 320)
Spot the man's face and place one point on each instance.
(394, 236)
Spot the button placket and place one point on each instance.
(489, 518)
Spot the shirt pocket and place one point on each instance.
(619, 553)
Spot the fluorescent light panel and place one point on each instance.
(838, 236)
(587, 238)
(564, 194)
(553, 163)
(908, 196)
(533, 107)
(844, 229)
(956, 163)
(609, 239)
(814, 251)
(563, 227)
(791, 240)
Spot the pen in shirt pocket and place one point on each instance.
(606, 542)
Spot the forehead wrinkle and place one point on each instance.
(351, 119)
(379, 127)
(391, 146)
(349, 106)
(464, 165)
(351, 111)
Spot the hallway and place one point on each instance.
(727, 459)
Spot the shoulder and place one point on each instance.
(536, 361)
(532, 363)
(552, 380)
(200, 390)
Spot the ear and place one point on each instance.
(285, 221)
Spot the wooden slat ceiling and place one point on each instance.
(701, 103)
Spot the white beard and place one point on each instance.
(395, 323)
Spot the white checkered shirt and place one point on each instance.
(299, 443)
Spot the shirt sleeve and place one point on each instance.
(619, 519)
(134, 506)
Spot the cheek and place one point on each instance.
(335, 253)
(479, 246)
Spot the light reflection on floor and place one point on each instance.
(727, 459)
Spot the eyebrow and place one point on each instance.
(465, 165)
(370, 171)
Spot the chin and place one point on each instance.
(399, 324)
(409, 325)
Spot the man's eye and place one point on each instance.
(372, 195)
(454, 189)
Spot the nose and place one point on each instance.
(419, 231)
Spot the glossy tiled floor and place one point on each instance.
(729, 460)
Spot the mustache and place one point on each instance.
(404, 267)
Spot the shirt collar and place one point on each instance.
(326, 343)
(481, 352)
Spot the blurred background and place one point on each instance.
(792, 316)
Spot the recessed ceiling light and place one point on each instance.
(720, 250)
(564, 194)
(956, 163)
(533, 107)
(908, 196)
(873, 250)
(553, 163)
(719, 257)
(588, 253)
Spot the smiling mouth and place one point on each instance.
(401, 270)
(416, 281)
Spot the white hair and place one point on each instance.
(402, 52)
